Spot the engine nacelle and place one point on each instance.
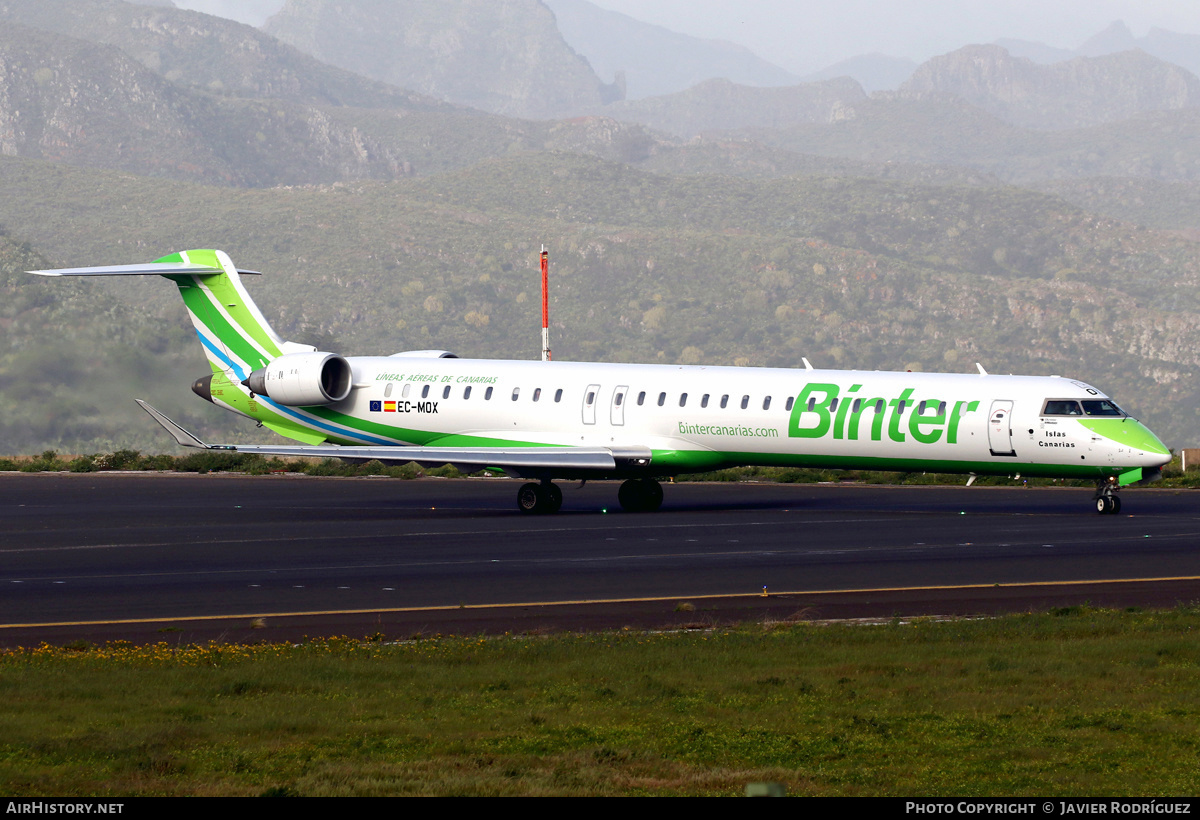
(303, 379)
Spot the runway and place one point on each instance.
(179, 556)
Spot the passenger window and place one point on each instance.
(812, 403)
(620, 398)
(704, 400)
(537, 393)
(724, 401)
(745, 402)
(591, 397)
(682, 399)
(404, 392)
(641, 398)
(941, 408)
(446, 392)
(387, 391)
(791, 400)
(662, 397)
(487, 394)
(516, 392)
(833, 404)
(425, 392)
(856, 407)
(558, 395)
(767, 403)
(467, 392)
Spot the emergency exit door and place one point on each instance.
(589, 403)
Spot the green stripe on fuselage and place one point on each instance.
(419, 437)
(666, 462)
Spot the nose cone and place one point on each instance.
(1147, 449)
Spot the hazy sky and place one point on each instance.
(806, 35)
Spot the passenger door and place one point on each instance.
(1000, 428)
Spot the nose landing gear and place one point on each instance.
(1106, 498)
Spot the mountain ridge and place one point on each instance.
(1081, 92)
(502, 57)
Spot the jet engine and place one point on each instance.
(303, 379)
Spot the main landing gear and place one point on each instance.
(1106, 498)
(539, 498)
(635, 495)
(640, 495)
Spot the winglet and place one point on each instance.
(180, 435)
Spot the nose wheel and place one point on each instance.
(1106, 498)
(534, 499)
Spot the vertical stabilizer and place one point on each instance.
(237, 338)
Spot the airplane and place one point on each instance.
(548, 420)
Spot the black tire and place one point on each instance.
(652, 495)
(553, 497)
(630, 496)
(530, 498)
(640, 495)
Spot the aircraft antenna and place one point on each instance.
(545, 305)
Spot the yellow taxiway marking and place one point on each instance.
(650, 599)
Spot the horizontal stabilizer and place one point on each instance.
(145, 269)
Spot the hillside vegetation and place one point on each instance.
(877, 231)
(852, 273)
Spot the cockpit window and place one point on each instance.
(1101, 407)
(1062, 407)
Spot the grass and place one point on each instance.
(213, 462)
(1071, 702)
(207, 461)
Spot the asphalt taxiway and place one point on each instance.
(196, 557)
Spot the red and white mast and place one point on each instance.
(545, 305)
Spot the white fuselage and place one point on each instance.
(697, 418)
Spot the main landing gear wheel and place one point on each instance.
(640, 495)
(539, 498)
